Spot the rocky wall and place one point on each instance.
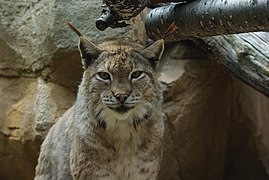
(216, 126)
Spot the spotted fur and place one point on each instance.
(115, 129)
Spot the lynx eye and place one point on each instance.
(103, 76)
(136, 74)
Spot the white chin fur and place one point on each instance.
(112, 117)
(137, 112)
(123, 116)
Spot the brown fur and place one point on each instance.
(97, 138)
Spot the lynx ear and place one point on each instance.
(154, 52)
(88, 51)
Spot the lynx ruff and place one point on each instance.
(115, 129)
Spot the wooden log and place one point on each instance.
(245, 55)
(115, 12)
(130, 8)
(209, 18)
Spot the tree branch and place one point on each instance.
(245, 55)
(115, 11)
(208, 18)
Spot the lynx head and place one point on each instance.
(119, 81)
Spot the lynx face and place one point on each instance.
(121, 80)
(115, 129)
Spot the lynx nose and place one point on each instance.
(121, 97)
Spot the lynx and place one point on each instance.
(115, 128)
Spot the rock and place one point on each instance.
(247, 152)
(33, 107)
(29, 107)
(35, 38)
(40, 70)
(197, 107)
(216, 126)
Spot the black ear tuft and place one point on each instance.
(154, 52)
(88, 51)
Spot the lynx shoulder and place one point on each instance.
(115, 128)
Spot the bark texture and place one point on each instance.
(245, 55)
(127, 9)
(115, 11)
(209, 18)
